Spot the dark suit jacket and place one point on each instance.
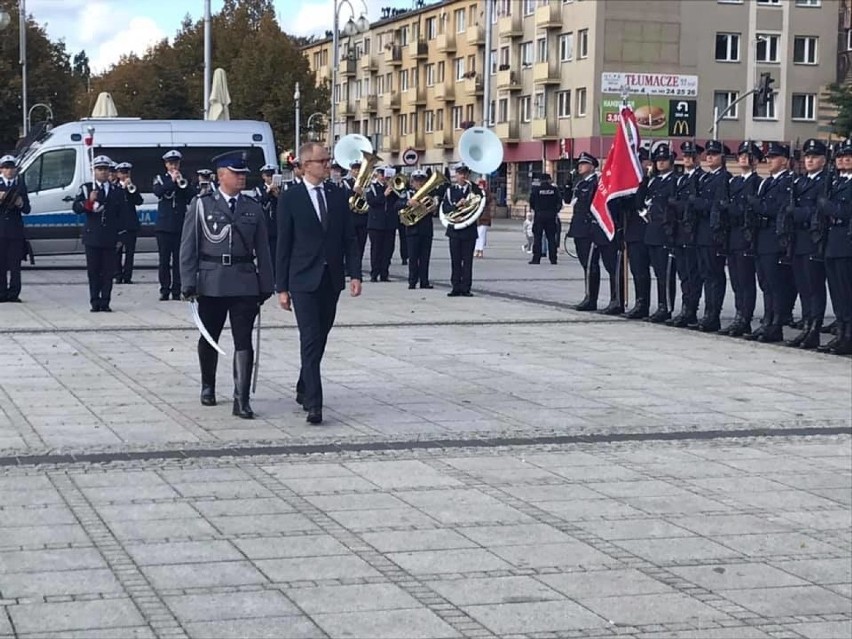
(11, 222)
(101, 227)
(305, 247)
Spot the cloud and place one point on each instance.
(315, 17)
(137, 37)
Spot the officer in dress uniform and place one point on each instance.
(14, 203)
(204, 181)
(359, 220)
(267, 194)
(546, 202)
(773, 195)
(225, 264)
(837, 209)
(382, 221)
(580, 229)
(660, 228)
(419, 240)
(174, 193)
(462, 241)
(129, 225)
(104, 206)
(741, 240)
(686, 256)
(638, 253)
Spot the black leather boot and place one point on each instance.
(639, 310)
(660, 315)
(829, 348)
(614, 307)
(760, 330)
(771, 334)
(207, 359)
(844, 347)
(590, 302)
(738, 318)
(798, 339)
(743, 329)
(812, 338)
(830, 329)
(243, 362)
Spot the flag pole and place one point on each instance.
(623, 285)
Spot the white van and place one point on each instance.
(57, 163)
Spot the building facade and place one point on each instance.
(559, 70)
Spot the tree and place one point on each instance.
(840, 95)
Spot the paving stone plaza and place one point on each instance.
(495, 466)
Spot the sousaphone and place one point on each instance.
(482, 152)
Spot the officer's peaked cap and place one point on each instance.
(587, 158)
(102, 161)
(172, 155)
(776, 149)
(232, 160)
(814, 147)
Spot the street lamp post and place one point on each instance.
(207, 57)
(310, 125)
(296, 97)
(486, 70)
(349, 29)
(5, 20)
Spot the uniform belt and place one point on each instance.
(227, 259)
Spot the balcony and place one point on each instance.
(546, 73)
(324, 73)
(507, 131)
(415, 141)
(418, 49)
(369, 104)
(475, 35)
(544, 129)
(443, 139)
(548, 16)
(369, 63)
(473, 86)
(391, 100)
(389, 143)
(508, 80)
(415, 96)
(511, 26)
(393, 55)
(345, 110)
(446, 42)
(348, 66)
(445, 91)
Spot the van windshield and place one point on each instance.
(51, 170)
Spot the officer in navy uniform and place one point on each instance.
(660, 228)
(837, 208)
(638, 253)
(204, 181)
(14, 203)
(359, 220)
(546, 202)
(772, 197)
(104, 206)
(129, 230)
(580, 228)
(174, 193)
(267, 194)
(808, 272)
(382, 221)
(462, 241)
(419, 239)
(686, 256)
(741, 239)
(225, 264)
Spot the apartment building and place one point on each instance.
(559, 68)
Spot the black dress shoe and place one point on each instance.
(374, 279)
(454, 294)
(534, 262)
(710, 326)
(467, 294)
(314, 416)
(412, 286)
(164, 297)
(14, 300)
(659, 316)
(426, 286)
(106, 309)
(95, 309)
(176, 297)
(637, 312)
(384, 278)
(208, 396)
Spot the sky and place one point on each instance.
(107, 29)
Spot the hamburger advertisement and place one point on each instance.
(656, 117)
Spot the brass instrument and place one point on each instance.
(130, 186)
(482, 151)
(399, 184)
(180, 181)
(422, 204)
(351, 148)
(358, 203)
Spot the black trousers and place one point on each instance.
(461, 259)
(771, 281)
(741, 268)
(381, 252)
(711, 269)
(124, 256)
(809, 276)
(547, 228)
(686, 259)
(273, 250)
(168, 246)
(100, 267)
(419, 253)
(659, 258)
(610, 257)
(11, 254)
(315, 312)
(639, 257)
(839, 273)
(586, 249)
(403, 245)
(361, 236)
(242, 311)
(786, 287)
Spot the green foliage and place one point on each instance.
(840, 95)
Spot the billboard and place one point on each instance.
(671, 84)
(657, 117)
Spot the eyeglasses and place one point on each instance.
(321, 161)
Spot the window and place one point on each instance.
(441, 73)
(727, 47)
(563, 104)
(529, 7)
(430, 75)
(808, 3)
(505, 57)
(431, 28)
(403, 36)
(380, 84)
(581, 102)
(492, 62)
(723, 99)
(471, 63)
(403, 80)
(524, 108)
(767, 48)
(540, 105)
(492, 108)
(583, 43)
(541, 50)
(389, 82)
(729, 1)
(769, 3)
(468, 113)
(503, 110)
(439, 119)
(566, 47)
(805, 50)
(526, 54)
(413, 120)
(457, 117)
(388, 126)
(849, 39)
(459, 15)
(804, 106)
(523, 177)
(458, 64)
(54, 170)
(378, 126)
(764, 111)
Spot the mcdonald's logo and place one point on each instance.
(682, 122)
(680, 128)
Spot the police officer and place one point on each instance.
(174, 193)
(267, 194)
(419, 240)
(462, 241)
(225, 265)
(382, 221)
(772, 197)
(837, 208)
(686, 256)
(359, 220)
(104, 206)
(808, 265)
(741, 239)
(580, 229)
(546, 202)
(660, 228)
(129, 225)
(204, 181)
(638, 254)
(14, 203)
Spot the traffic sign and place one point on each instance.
(410, 157)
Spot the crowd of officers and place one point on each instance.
(790, 233)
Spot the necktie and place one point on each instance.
(322, 208)
(232, 204)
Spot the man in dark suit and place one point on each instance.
(14, 203)
(316, 241)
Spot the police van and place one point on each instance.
(55, 162)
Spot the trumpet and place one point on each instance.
(130, 186)
(180, 181)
